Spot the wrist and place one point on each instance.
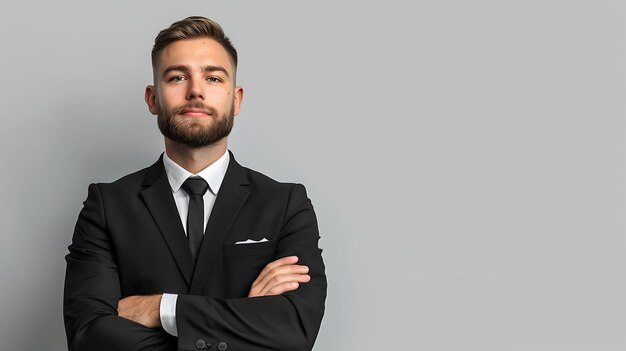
(156, 309)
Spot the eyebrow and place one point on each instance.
(207, 68)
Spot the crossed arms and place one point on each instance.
(276, 315)
(276, 278)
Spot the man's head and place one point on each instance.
(194, 93)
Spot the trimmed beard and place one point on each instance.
(192, 132)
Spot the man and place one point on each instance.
(195, 251)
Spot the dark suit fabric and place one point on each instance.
(129, 240)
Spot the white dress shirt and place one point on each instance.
(176, 175)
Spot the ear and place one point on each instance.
(150, 97)
(238, 98)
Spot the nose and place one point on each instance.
(195, 90)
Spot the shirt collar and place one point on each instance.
(213, 174)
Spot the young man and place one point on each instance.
(195, 251)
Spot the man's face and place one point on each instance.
(194, 93)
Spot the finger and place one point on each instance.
(281, 270)
(284, 279)
(289, 260)
(287, 283)
(274, 264)
(261, 289)
(282, 288)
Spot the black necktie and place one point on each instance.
(195, 187)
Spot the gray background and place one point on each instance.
(465, 158)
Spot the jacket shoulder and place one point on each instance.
(269, 189)
(125, 184)
(258, 179)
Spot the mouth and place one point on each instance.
(194, 112)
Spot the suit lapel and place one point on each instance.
(157, 195)
(231, 197)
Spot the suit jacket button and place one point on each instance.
(200, 344)
(222, 346)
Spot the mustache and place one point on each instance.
(196, 105)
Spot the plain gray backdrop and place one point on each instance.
(465, 158)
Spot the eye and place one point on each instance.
(177, 79)
(214, 79)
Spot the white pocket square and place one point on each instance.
(250, 241)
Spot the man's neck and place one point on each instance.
(195, 159)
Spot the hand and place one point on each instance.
(279, 277)
(144, 310)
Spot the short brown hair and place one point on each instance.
(189, 28)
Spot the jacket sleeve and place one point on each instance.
(92, 291)
(289, 321)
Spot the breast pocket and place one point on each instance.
(251, 249)
(244, 262)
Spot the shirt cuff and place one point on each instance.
(167, 309)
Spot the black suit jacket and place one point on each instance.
(129, 241)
